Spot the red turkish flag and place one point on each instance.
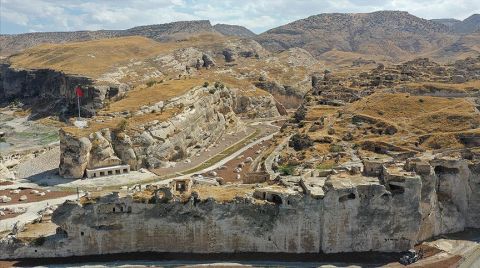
(79, 92)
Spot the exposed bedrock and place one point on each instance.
(450, 197)
(339, 213)
(205, 117)
(261, 106)
(50, 92)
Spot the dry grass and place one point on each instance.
(112, 123)
(317, 112)
(143, 95)
(439, 141)
(222, 193)
(94, 58)
(429, 86)
(418, 112)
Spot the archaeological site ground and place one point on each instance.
(343, 139)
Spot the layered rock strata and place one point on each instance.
(205, 116)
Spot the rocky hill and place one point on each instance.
(233, 30)
(469, 25)
(10, 44)
(447, 22)
(393, 34)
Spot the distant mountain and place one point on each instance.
(164, 32)
(233, 30)
(447, 22)
(10, 44)
(469, 25)
(394, 34)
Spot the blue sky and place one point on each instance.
(19, 16)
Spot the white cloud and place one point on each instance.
(258, 15)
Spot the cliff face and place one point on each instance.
(204, 118)
(338, 213)
(51, 92)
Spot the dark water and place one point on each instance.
(182, 263)
(151, 259)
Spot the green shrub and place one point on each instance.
(324, 166)
(151, 83)
(122, 125)
(286, 170)
(335, 148)
(206, 84)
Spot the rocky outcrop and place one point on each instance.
(5, 173)
(50, 92)
(261, 106)
(450, 196)
(388, 208)
(207, 114)
(75, 155)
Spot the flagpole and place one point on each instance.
(78, 101)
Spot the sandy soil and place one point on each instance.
(32, 197)
(5, 183)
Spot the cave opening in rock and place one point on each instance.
(349, 196)
(440, 170)
(396, 189)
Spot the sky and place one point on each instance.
(21, 16)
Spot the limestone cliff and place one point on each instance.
(387, 208)
(205, 116)
(50, 92)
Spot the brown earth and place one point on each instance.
(32, 197)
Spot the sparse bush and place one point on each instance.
(151, 83)
(122, 125)
(324, 166)
(421, 100)
(286, 170)
(335, 148)
(206, 84)
(217, 84)
(300, 114)
(300, 142)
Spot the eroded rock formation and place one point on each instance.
(205, 116)
(51, 92)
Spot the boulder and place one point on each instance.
(208, 61)
(229, 55)
(5, 173)
(75, 154)
(458, 79)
